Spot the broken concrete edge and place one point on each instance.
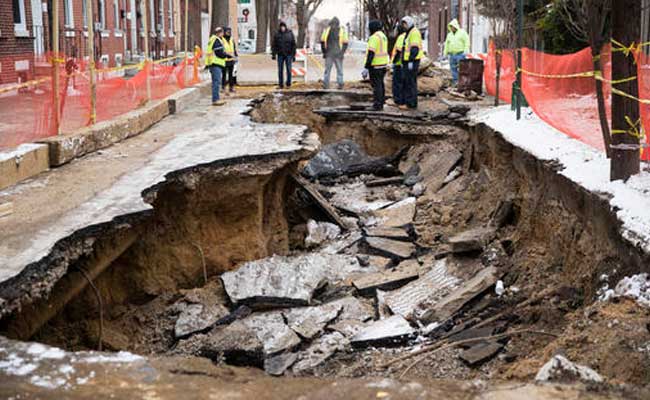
(22, 162)
(585, 203)
(37, 280)
(67, 147)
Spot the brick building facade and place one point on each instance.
(26, 36)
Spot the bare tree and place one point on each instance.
(219, 14)
(503, 18)
(587, 21)
(305, 10)
(274, 14)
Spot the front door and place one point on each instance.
(37, 17)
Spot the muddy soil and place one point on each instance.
(553, 248)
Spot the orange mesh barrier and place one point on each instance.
(561, 90)
(27, 101)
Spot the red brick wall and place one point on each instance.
(439, 17)
(13, 48)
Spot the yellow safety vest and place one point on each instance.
(378, 43)
(229, 48)
(210, 57)
(343, 37)
(414, 39)
(399, 46)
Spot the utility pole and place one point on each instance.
(520, 44)
(91, 62)
(626, 123)
(56, 57)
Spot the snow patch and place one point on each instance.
(560, 367)
(120, 357)
(636, 287)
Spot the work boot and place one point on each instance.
(218, 103)
(340, 87)
(232, 90)
(403, 107)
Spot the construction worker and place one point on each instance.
(216, 63)
(411, 62)
(456, 46)
(334, 42)
(231, 52)
(283, 48)
(398, 73)
(377, 60)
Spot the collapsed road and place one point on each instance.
(406, 255)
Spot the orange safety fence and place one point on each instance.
(27, 101)
(561, 90)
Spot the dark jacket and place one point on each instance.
(218, 49)
(284, 43)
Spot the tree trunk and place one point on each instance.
(262, 10)
(602, 111)
(301, 20)
(626, 27)
(274, 17)
(219, 14)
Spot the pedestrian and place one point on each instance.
(216, 62)
(456, 46)
(377, 60)
(334, 43)
(398, 73)
(283, 49)
(231, 51)
(411, 57)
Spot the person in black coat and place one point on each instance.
(283, 49)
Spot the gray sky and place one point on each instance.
(344, 9)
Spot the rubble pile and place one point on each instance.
(363, 281)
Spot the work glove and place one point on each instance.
(365, 74)
(410, 66)
(273, 57)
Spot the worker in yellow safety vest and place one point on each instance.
(398, 71)
(334, 43)
(215, 61)
(377, 59)
(411, 57)
(231, 52)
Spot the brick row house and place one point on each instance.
(26, 36)
(441, 12)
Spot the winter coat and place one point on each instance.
(284, 44)
(456, 42)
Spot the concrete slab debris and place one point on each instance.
(472, 240)
(391, 248)
(278, 364)
(390, 233)
(286, 281)
(310, 321)
(320, 201)
(385, 332)
(320, 232)
(394, 180)
(396, 215)
(418, 296)
(452, 303)
(389, 279)
(354, 309)
(198, 317)
(480, 353)
(271, 330)
(560, 368)
(237, 343)
(344, 242)
(378, 262)
(348, 327)
(319, 351)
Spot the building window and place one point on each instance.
(101, 12)
(152, 17)
(170, 15)
(116, 13)
(20, 21)
(68, 14)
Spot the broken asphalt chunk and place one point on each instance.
(310, 321)
(396, 215)
(237, 343)
(286, 281)
(418, 296)
(389, 279)
(384, 333)
(472, 240)
(480, 353)
(452, 303)
(389, 233)
(198, 317)
(278, 364)
(320, 232)
(271, 330)
(320, 350)
(391, 248)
